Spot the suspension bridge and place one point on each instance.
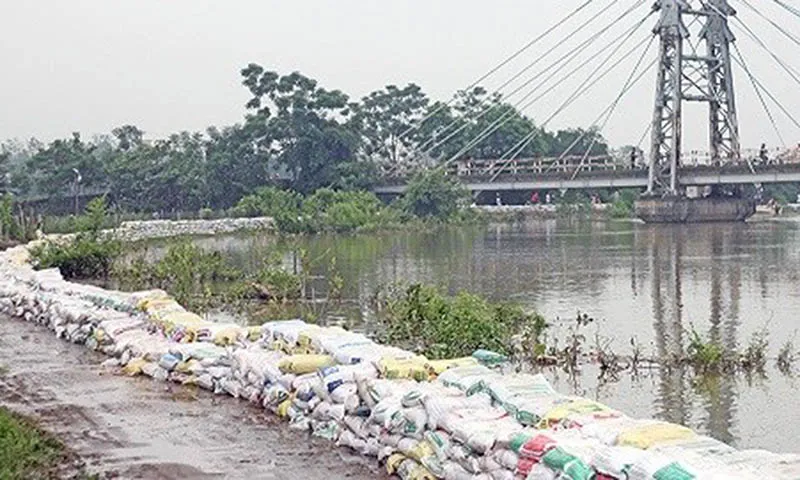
(691, 48)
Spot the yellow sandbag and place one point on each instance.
(227, 336)
(306, 336)
(651, 435)
(393, 462)
(254, 334)
(410, 369)
(422, 450)
(302, 364)
(186, 367)
(438, 367)
(134, 367)
(283, 408)
(580, 406)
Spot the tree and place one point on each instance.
(128, 137)
(385, 120)
(480, 125)
(301, 125)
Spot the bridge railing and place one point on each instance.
(574, 165)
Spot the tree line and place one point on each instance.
(295, 133)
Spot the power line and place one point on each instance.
(427, 149)
(759, 94)
(569, 56)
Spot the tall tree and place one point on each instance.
(301, 125)
(386, 120)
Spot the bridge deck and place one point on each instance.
(611, 178)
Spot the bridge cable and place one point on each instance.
(740, 62)
(502, 64)
(760, 95)
(612, 108)
(573, 54)
(788, 69)
(517, 76)
(492, 128)
(794, 11)
(580, 91)
(777, 26)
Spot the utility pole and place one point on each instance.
(687, 74)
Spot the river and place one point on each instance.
(652, 283)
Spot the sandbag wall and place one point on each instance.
(467, 418)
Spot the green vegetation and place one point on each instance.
(203, 281)
(432, 194)
(325, 210)
(423, 319)
(28, 452)
(90, 254)
(295, 134)
(623, 204)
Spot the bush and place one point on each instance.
(438, 326)
(341, 211)
(91, 254)
(432, 194)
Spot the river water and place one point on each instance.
(654, 284)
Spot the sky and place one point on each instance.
(171, 65)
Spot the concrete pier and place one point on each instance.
(694, 210)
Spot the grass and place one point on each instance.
(28, 452)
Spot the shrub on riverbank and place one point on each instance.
(432, 194)
(422, 318)
(90, 254)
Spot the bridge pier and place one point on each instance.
(681, 209)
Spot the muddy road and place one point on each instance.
(137, 428)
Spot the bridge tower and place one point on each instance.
(687, 74)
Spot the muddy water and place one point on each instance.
(651, 283)
(137, 428)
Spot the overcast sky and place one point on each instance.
(169, 65)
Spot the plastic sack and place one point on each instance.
(648, 436)
(304, 364)
(409, 369)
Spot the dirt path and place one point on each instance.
(138, 428)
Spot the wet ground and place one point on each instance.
(137, 428)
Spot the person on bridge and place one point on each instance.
(762, 154)
(535, 198)
(633, 159)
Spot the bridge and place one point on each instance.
(697, 54)
(600, 172)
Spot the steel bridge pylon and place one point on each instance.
(687, 72)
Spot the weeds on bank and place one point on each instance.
(28, 452)
(203, 281)
(786, 357)
(89, 254)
